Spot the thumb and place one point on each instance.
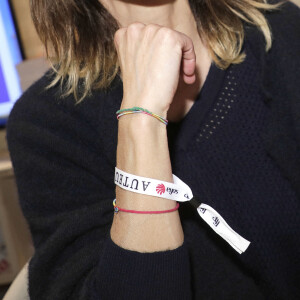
(188, 60)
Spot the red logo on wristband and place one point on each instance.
(160, 189)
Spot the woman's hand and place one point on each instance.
(151, 59)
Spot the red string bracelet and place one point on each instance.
(117, 209)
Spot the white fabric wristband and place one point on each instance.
(181, 192)
(177, 191)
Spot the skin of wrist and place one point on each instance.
(134, 151)
(139, 125)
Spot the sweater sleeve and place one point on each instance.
(280, 83)
(65, 186)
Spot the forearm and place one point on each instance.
(143, 150)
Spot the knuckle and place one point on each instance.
(136, 24)
(118, 35)
(134, 29)
(166, 30)
(168, 35)
(151, 28)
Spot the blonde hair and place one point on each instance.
(80, 35)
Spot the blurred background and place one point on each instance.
(22, 61)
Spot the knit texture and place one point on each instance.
(238, 150)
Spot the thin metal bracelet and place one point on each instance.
(136, 109)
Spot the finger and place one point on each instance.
(119, 35)
(189, 79)
(188, 59)
(118, 42)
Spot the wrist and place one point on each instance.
(140, 126)
(146, 104)
(142, 145)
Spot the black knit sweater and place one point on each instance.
(238, 150)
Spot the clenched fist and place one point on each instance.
(151, 59)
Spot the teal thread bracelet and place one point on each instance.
(135, 109)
